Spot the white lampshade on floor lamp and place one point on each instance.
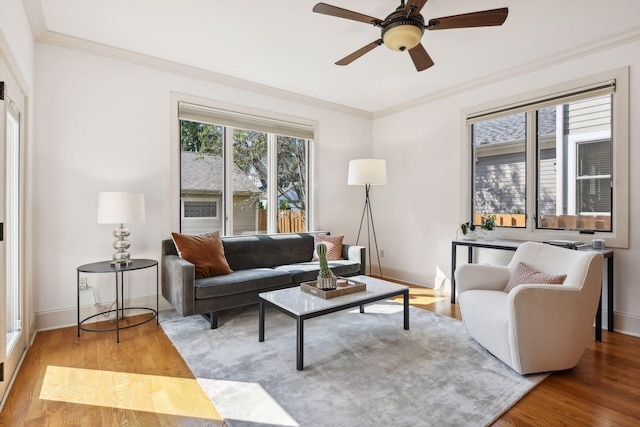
(368, 172)
(120, 208)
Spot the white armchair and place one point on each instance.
(534, 327)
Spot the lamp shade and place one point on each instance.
(367, 171)
(120, 207)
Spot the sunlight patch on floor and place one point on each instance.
(424, 299)
(247, 402)
(123, 390)
(422, 296)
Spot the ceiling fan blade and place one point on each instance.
(327, 9)
(416, 4)
(358, 53)
(486, 18)
(420, 57)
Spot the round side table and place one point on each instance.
(118, 272)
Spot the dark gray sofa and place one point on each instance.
(260, 263)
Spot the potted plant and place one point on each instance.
(488, 225)
(468, 231)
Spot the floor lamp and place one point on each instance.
(368, 172)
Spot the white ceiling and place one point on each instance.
(284, 45)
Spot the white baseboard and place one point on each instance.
(624, 323)
(55, 319)
(427, 281)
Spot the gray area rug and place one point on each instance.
(359, 369)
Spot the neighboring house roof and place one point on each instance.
(205, 173)
(512, 128)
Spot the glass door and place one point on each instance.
(12, 332)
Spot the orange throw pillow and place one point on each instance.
(527, 275)
(205, 251)
(334, 246)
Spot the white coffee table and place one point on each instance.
(302, 306)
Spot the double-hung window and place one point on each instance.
(242, 173)
(554, 163)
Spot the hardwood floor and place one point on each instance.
(144, 350)
(603, 390)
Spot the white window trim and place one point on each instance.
(174, 156)
(619, 237)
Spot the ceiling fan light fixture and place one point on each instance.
(402, 37)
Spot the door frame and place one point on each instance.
(15, 91)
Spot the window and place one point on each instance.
(203, 209)
(546, 164)
(242, 174)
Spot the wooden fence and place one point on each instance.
(571, 222)
(505, 220)
(289, 221)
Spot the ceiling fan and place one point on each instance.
(403, 28)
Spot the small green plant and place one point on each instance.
(467, 226)
(488, 222)
(284, 205)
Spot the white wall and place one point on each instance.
(104, 125)
(14, 28)
(423, 150)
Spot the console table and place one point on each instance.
(512, 245)
(118, 271)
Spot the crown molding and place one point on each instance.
(33, 9)
(616, 40)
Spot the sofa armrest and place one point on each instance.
(178, 283)
(356, 253)
(481, 276)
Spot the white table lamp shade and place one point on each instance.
(120, 207)
(367, 171)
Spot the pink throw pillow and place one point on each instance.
(527, 275)
(334, 246)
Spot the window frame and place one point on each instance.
(232, 112)
(619, 236)
(186, 200)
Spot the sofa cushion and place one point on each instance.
(523, 274)
(308, 271)
(333, 243)
(205, 251)
(249, 280)
(267, 251)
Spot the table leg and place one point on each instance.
(78, 295)
(610, 293)
(157, 296)
(299, 344)
(261, 321)
(117, 311)
(406, 309)
(362, 309)
(453, 272)
(121, 296)
(599, 321)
